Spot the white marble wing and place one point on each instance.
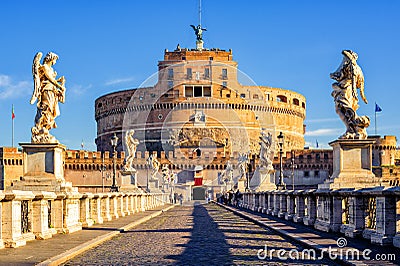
(36, 78)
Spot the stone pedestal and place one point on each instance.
(300, 207)
(241, 184)
(290, 206)
(352, 165)
(199, 45)
(71, 212)
(385, 215)
(262, 180)
(128, 180)
(309, 219)
(43, 167)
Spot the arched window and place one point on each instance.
(281, 98)
(296, 102)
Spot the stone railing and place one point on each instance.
(27, 215)
(371, 213)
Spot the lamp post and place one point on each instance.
(114, 141)
(280, 184)
(293, 166)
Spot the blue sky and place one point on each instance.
(106, 46)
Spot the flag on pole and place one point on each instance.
(82, 145)
(316, 143)
(377, 108)
(12, 112)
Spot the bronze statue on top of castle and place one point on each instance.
(348, 78)
(48, 91)
(198, 31)
(131, 145)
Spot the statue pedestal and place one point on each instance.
(261, 180)
(43, 168)
(241, 184)
(128, 179)
(199, 45)
(352, 165)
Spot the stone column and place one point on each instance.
(40, 210)
(96, 209)
(311, 216)
(276, 203)
(85, 209)
(290, 206)
(57, 213)
(329, 213)
(12, 218)
(127, 204)
(270, 202)
(356, 217)
(396, 239)
(71, 212)
(105, 207)
(256, 201)
(385, 220)
(282, 205)
(120, 204)
(114, 205)
(265, 202)
(300, 207)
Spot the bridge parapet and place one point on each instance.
(371, 213)
(27, 215)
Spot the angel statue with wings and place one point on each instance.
(131, 144)
(348, 78)
(265, 150)
(48, 91)
(198, 31)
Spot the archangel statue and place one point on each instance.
(48, 91)
(155, 166)
(131, 144)
(242, 163)
(348, 78)
(198, 31)
(266, 150)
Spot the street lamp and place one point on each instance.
(293, 166)
(114, 141)
(280, 184)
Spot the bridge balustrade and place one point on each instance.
(371, 213)
(27, 215)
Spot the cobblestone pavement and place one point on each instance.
(193, 235)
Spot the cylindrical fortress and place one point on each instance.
(198, 108)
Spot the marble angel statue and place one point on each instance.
(48, 92)
(242, 165)
(349, 78)
(155, 166)
(131, 144)
(266, 150)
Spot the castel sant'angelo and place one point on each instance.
(198, 115)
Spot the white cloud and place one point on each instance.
(80, 89)
(14, 89)
(118, 81)
(324, 132)
(321, 120)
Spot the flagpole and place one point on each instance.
(375, 124)
(12, 127)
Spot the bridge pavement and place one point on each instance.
(194, 235)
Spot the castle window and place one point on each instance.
(207, 91)
(303, 105)
(228, 95)
(189, 73)
(224, 84)
(188, 91)
(198, 91)
(99, 105)
(281, 98)
(170, 73)
(255, 96)
(170, 84)
(316, 173)
(306, 173)
(224, 73)
(296, 102)
(206, 73)
(242, 95)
